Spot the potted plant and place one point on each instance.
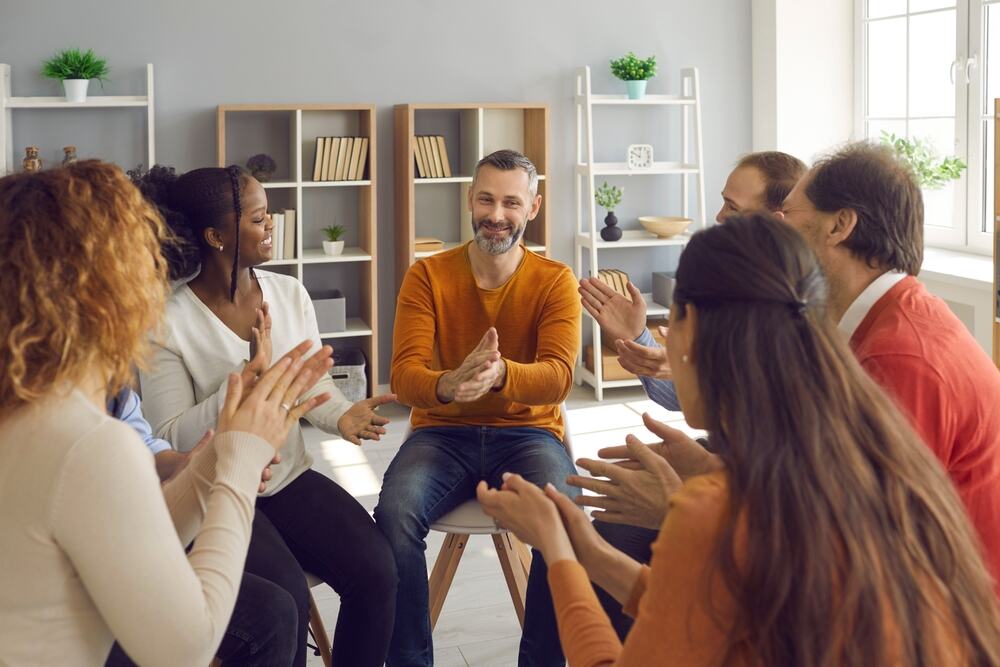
(634, 72)
(608, 197)
(930, 171)
(333, 245)
(75, 69)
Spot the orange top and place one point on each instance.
(441, 315)
(682, 606)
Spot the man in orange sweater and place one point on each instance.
(484, 344)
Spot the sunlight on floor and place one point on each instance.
(351, 467)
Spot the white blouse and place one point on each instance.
(185, 389)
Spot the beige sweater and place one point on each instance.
(90, 549)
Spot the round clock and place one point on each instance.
(640, 156)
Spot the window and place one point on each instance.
(927, 71)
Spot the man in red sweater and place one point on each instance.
(862, 213)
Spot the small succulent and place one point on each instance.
(262, 166)
(608, 196)
(333, 233)
(75, 64)
(631, 68)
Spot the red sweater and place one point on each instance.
(926, 359)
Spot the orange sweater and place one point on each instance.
(675, 623)
(441, 315)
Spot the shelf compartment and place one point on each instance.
(634, 238)
(356, 328)
(622, 169)
(317, 256)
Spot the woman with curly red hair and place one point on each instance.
(90, 540)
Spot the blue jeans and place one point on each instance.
(435, 471)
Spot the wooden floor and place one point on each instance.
(477, 626)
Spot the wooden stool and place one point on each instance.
(469, 519)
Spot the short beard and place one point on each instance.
(496, 247)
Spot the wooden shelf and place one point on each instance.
(622, 169)
(356, 327)
(634, 238)
(648, 100)
(588, 377)
(471, 131)
(298, 126)
(533, 247)
(317, 256)
(335, 184)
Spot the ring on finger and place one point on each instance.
(287, 407)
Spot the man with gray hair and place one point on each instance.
(484, 345)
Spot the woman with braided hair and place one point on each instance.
(220, 314)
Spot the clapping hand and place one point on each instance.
(482, 370)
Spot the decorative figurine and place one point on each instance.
(69, 156)
(31, 161)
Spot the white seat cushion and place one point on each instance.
(467, 518)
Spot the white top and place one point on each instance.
(90, 549)
(185, 389)
(858, 310)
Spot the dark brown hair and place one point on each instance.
(83, 280)
(870, 180)
(781, 172)
(858, 550)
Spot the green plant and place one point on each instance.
(608, 196)
(931, 171)
(75, 64)
(333, 233)
(630, 68)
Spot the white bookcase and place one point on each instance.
(9, 104)
(588, 242)
(288, 132)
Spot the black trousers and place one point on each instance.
(314, 525)
(632, 541)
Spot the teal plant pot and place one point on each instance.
(636, 89)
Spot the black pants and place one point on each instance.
(632, 541)
(315, 525)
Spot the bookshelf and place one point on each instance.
(9, 104)
(288, 133)
(687, 168)
(436, 207)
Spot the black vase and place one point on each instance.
(611, 232)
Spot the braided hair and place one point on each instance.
(190, 203)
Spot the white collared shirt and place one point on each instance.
(858, 310)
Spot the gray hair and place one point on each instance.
(507, 160)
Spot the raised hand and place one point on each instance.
(270, 408)
(633, 496)
(618, 317)
(643, 360)
(685, 455)
(481, 370)
(260, 347)
(361, 422)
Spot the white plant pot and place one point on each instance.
(76, 89)
(333, 247)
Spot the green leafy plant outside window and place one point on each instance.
(75, 64)
(932, 172)
(631, 68)
(333, 233)
(608, 196)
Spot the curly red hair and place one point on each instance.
(82, 279)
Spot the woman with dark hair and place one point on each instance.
(93, 547)
(215, 321)
(828, 535)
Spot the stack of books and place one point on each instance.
(616, 280)
(431, 156)
(340, 158)
(427, 244)
(283, 235)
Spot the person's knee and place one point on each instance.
(283, 619)
(398, 519)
